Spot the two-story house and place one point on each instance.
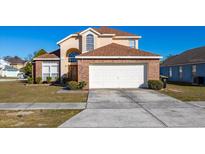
(102, 57)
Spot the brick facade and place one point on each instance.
(83, 67)
(37, 69)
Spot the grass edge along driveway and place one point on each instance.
(185, 92)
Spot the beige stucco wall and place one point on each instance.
(18, 66)
(99, 41)
(73, 42)
(84, 40)
(79, 42)
(125, 42)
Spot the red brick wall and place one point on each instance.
(37, 69)
(83, 67)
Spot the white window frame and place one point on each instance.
(50, 74)
(90, 43)
(193, 69)
(170, 72)
(180, 72)
(132, 43)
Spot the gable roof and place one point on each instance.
(104, 31)
(15, 60)
(192, 56)
(114, 49)
(107, 30)
(53, 54)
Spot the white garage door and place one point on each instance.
(117, 76)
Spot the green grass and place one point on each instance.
(17, 92)
(185, 92)
(35, 118)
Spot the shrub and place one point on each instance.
(48, 79)
(30, 80)
(57, 80)
(38, 80)
(73, 85)
(65, 80)
(155, 84)
(81, 84)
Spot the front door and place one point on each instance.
(73, 72)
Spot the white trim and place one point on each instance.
(119, 57)
(46, 59)
(69, 36)
(90, 30)
(137, 37)
(107, 34)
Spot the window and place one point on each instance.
(132, 43)
(193, 70)
(71, 57)
(89, 42)
(50, 69)
(180, 72)
(170, 72)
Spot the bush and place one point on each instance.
(30, 80)
(74, 85)
(65, 80)
(81, 84)
(155, 84)
(49, 79)
(38, 80)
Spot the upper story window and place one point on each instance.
(89, 42)
(180, 72)
(170, 72)
(72, 57)
(132, 43)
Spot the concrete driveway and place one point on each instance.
(136, 108)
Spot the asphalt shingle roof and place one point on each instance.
(107, 30)
(196, 55)
(54, 54)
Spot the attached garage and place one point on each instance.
(117, 75)
(117, 66)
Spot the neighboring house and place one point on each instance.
(102, 57)
(16, 62)
(3, 63)
(186, 67)
(9, 71)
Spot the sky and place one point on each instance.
(164, 40)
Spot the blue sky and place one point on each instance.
(22, 41)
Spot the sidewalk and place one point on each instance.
(38, 106)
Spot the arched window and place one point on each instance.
(71, 56)
(89, 42)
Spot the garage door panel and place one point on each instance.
(117, 76)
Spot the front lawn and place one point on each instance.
(185, 92)
(35, 118)
(17, 92)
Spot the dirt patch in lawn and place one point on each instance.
(35, 118)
